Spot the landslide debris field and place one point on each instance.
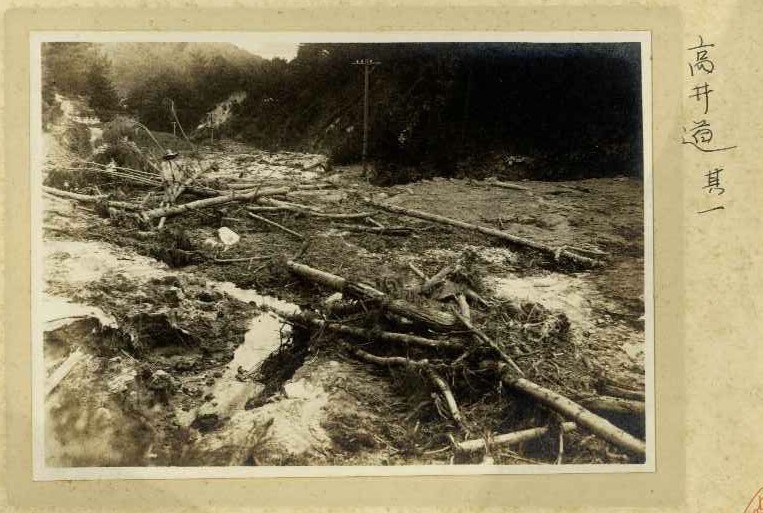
(232, 306)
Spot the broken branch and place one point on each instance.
(517, 437)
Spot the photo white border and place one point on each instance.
(41, 472)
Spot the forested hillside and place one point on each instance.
(453, 109)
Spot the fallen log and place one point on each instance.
(223, 200)
(616, 405)
(517, 437)
(435, 319)
(557, 253)
(84, 198)
(366, 334)
(572, 411)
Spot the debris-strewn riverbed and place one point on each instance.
(184, 344)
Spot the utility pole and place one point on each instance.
(367, 64)
(174, 126)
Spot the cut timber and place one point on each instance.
(84, 198)
(617, 405)
(556, 253)
(517, 437)
(223, 200)
(574, 412)
(435, 319)
(366, 334)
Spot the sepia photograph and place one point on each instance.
(341, 254)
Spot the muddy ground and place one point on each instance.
(185, 362)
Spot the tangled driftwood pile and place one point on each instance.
(430, 329)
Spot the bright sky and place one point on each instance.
(268, 50)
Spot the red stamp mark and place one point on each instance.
(756, 503)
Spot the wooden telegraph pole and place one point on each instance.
(367, 64)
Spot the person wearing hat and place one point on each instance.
(171, 172)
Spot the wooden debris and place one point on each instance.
(431, 283)
(606, 404)
(243, 259)
(468, 292)
(63, 370)
(517, 437)
(447, 393)
(276, 225)
(366, 334)
(507, 185)
(435, 319)
(297, 207)
(463, 307)
(387, 230)
(556, 253)
(617, 391)
(84, 198)
(489, 342)
(223, 200)
(573, 411)
(423, 365)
